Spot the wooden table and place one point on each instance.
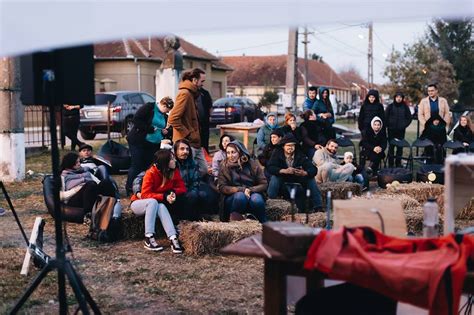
(242, 127)
(279, 266)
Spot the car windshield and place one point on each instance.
(104, 98)
(226, 102)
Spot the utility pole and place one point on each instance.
(12, 133)
(292, 66)
(370, 57)
(306, 42)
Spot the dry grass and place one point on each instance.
(317, 219)
(339, 190)
(276, 209)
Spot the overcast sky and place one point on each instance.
(340, 44)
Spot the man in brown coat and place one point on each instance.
(184, 116)
(433, 104)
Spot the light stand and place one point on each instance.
(60, 262)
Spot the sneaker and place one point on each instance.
(151, 244)
(176, 246)
(2, 211)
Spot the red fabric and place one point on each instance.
(151, 185)
(407, 270)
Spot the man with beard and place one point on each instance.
(311, 98)
(287, 166)
(431, 105)
(329, 170)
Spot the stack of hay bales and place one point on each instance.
(200, 238)
(317, 219)
(276, 209)
(339, 190)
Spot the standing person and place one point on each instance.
(369, 109)
(324, 114)
(464, 133)
(373, 144)
(334, 103)
(312, 133)
(204, 106)
(398, 118)
(242, 184)
(433, 104)
(150, 127)
(184, 117)
(263, 134)
(70, 124)
(220, 155)
(435, 130)
(310, 98)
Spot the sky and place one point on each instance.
(340, 44)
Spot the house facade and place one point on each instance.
(132, 64)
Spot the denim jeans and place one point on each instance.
(278, 187)
(239, 202)
(151, 208)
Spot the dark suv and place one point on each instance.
(123, 106)
(234, 109)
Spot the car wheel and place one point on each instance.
(127, 126)
(87, 135)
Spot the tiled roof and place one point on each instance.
(271, 70)
(353, 77)
(139, 48)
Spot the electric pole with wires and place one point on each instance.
(306, 42)
(370, 57)
(292, 66)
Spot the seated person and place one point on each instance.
(313, 138)
(242, 183)
(152, 208)
(263, 158)
(435, 130)
(220, 155)
(464, 133)
(373, 144)
(289, 165)
(291, 126)
(358, 176)
(329, 170)
(199, 196)
(163, 182)
(263, 134)
(80, 187)
(325, 115)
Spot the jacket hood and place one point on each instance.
(188, 85)
(374, 93)
(429, 122)
(376, 118)
(276, 120)
(321, 90)
(241, 147)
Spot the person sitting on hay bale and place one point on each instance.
(199, 194)
(220, 155)
(329, 170)
(242, 183)
(151, 208)
(373, 144)
(275, 138)
(464, 133)
(263, 134)
(288, 165)
(435, 130)
(358, 176)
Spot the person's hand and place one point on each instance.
(293, 125)
(247, 192)
(139, 195)
(465, 144)
(289, 171)
(164, 131)
(209, 170)
(171, 198)
(318, 147)
(301, 172)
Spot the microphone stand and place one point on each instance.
(292, 198)
(308, 194)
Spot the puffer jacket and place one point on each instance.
(397, 116)
(370, 110)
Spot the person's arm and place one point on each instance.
(261, 184)
(225, 186)
(446, 116)
(306, 139)
(179, 186)
(407, 116)
(176, 114)
(318, 158)
(273, 165)
(140, 120)
(309, 167)
(384, 140)
(147, 188)
(261, 141)
(421, 115)
(360, 119)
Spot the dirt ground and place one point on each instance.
(123, 277)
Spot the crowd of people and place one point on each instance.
(170, 178)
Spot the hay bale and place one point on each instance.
(420, 192)
(134, 227)
(200, 238)
(317, 219)
(275, 209)
(467, 213)
(339, 190)
(407, 201)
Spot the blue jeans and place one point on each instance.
(358, 178)
(277, 187)
(238, 202)
(151, 208)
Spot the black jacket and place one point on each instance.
(397, 116)
(297, 133)
(142, 124)
(312, 134)
(370, 140)
(204, 106)
(437, 134)
(278, 162)
(369, 111)
(463, 134)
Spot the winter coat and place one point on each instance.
(311, 132)
(189, 171)
(424, 111)
(308, 103)
(263, 134)
(320, 107)
(397, 116)
(152, 188)
(217, 159)
(184, 116)
(370, 139)
(297, 133)
(437, 134)
(233, 179)
(463, 134)
(73, 178)
(278, 162)
(204, 105)
(267, 154)
(370, 110)
(142, 124)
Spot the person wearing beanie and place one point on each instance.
(263, 134)
(435, 130)
(289, 165)
(241, 183)
(359, 175)
(369, 109)
(275, 138)
(398, 118)
(373, 144)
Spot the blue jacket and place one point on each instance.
(308, 103)
(320, 107)
(263, 134)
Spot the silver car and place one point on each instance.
(123, 106)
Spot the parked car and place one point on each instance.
(123, 106)
(234, 109)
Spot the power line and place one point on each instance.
(380, 39)
(256, 46)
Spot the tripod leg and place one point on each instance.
(73, 275)
(76, 288)
(31, 288)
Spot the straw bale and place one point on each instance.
(407, 201)
(134, 226)
(275, 209)
(420, 192)
(200, 238)
(339, 190)
(467, 213)
(317, 219)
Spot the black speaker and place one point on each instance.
(73, 70)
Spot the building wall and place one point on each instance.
(218, 76)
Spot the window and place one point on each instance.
(147, 98)
(216, 89)
(135, 99)
(104, 98)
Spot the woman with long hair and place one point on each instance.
(311, 131)
(291, 126)
(162, 185)
(220, 155)
(242, 183)
(464, 133)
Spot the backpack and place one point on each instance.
(103, 227)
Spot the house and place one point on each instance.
(253, 75)
(359, 86)
(132, 64)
